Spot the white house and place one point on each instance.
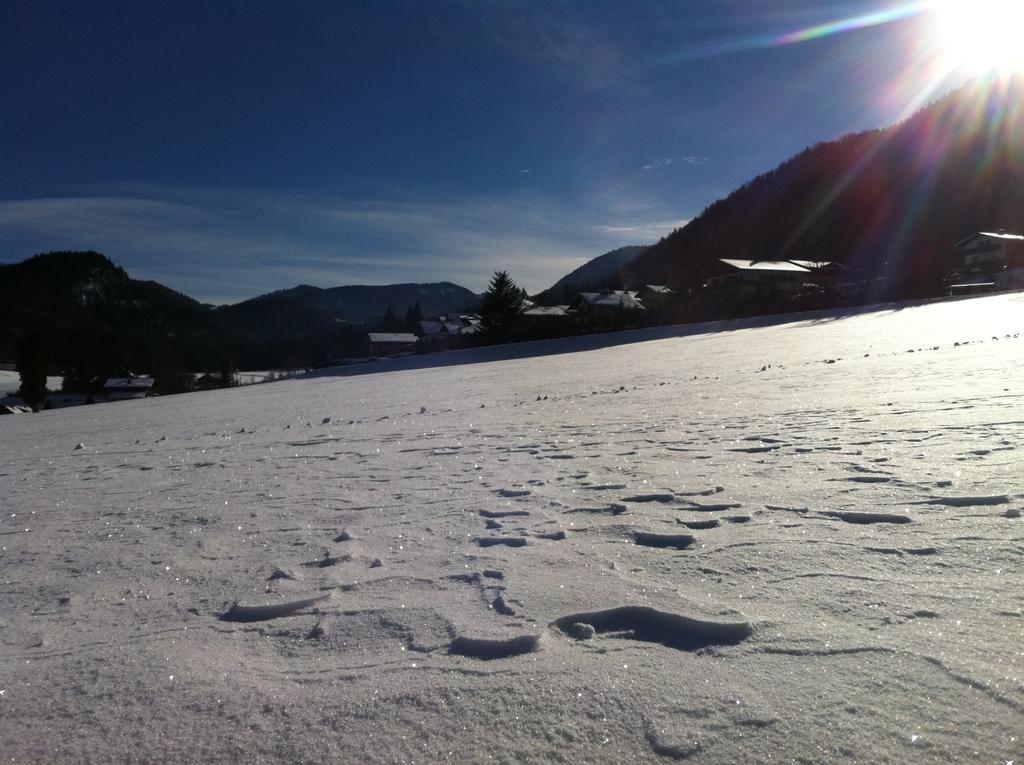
(606, 308)
(611, 301)
(746, 277)
(125, 388)
(653, 292)
(385, 344)
(547, 312)
(988, 259)
(448, 331)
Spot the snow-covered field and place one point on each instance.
(791, 542)
(266, 375)
(10, 382)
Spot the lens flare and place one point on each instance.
(980, 37)
(850, 24)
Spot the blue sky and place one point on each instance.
(230, 148)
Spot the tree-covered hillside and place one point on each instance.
(94, 320)
(590, 276)
(890, 202)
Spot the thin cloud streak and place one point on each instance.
(643, 232)
(692, 159)
(656, 164)
(225, 246)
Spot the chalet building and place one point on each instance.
(126, 388)
(448, 331)
(662, 305)
(744, 278)
(652, 294)
(435, 335)
(544, 321)
(614, 299)
(813, 265)
(986, 262)
(543, 313)
(825, 272)
(606, 307)
(207, 381)
(391, 344)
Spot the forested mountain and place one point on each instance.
(92, 317)
(89, 284)
(591, 275)
(81, 304)
(889, 202)
(364, 304)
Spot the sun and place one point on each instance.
(980, 37)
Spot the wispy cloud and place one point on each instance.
(225, 245)
(692, 159)
(656, 164)
(643, 232)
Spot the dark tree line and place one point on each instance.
(391, 322)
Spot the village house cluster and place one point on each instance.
(606, 308)
(986, 261)
(982, 262)
(137, 387)
(115, 389)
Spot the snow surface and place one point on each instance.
(783, 542)
(10, 382)
(262, 376)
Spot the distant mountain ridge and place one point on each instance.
(367, 303)
(890, 203)
(86, 287)
(590, 275)
(82, 304)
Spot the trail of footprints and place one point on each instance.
(599, 507)
(633, 622)
(517, 527)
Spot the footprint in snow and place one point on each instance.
(513, 492)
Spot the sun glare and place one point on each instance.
(980, 36)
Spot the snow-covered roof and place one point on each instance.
(130, 383)
(545, 310)
(810, 265)
(611, 298)
(660, 289)
(763, 265)
(392, 337)
(15, 409)
(431, 327)
(1002, 235)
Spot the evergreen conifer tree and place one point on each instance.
(390, 321)
(500, 308)
(413, 315)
